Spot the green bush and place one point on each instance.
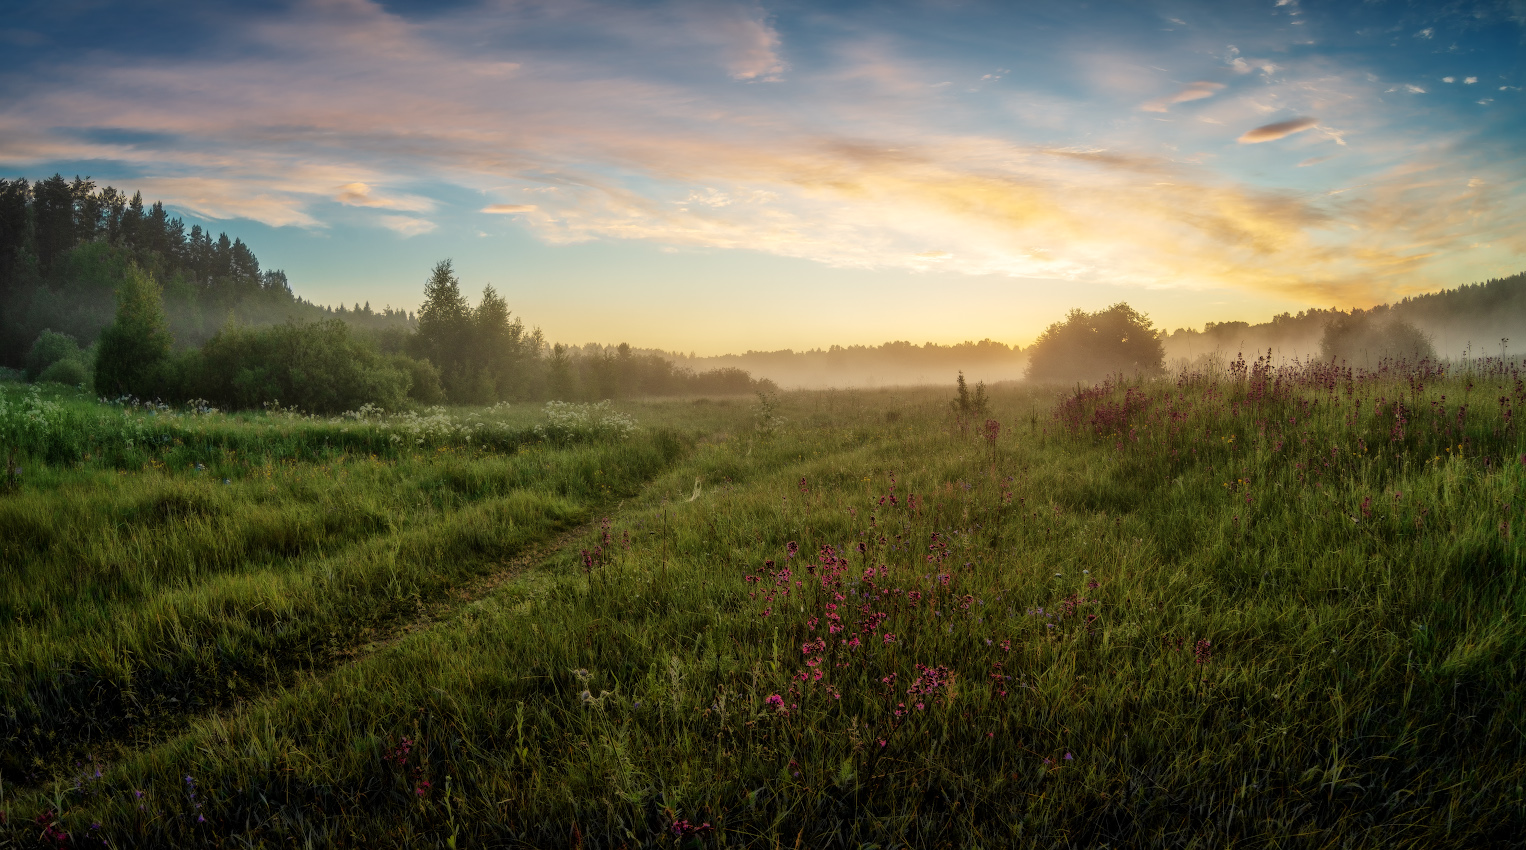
(71, 371)
(424, 386)
(48, 349)
(317, 367)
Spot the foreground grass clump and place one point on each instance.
(1265, 608)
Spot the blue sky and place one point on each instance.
(718, 176)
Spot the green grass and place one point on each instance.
(1250, 612)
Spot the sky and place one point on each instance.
(713, 176)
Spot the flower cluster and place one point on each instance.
(567, 421)
(683, 829)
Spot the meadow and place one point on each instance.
(1271, 606)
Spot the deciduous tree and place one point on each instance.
(1090, 346)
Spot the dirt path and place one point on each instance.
(429, 614)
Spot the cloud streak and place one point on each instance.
(1196, 91)
(359, 194)
(1277, 130)
(407, 226)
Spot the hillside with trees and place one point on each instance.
(1472, 318)
(66, 248)
(102, 290)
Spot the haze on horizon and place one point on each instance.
(718, 177)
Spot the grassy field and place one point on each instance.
(1275, 607)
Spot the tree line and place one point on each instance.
(1478, 319)
(100, 290)
(66, 248)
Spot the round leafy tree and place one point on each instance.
(1364, 339)
(1089, 346)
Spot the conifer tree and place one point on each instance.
(52, 220)
(445, 325)
(15, 231)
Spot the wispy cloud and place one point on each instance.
(1194, 91)
(508, 209)
(231, 198)
(407, 226)
(360, 195)
(755, 44)
(1277, 130)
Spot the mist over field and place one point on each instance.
(888, 365)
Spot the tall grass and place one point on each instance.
(133, 598)
(1267, 608)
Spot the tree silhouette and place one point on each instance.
(1089, 346)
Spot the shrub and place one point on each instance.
(968, 404)
(317, 367)
(71, 371)
(424, 379)
(50, 348)
(1088, 346)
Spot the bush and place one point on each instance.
(317, 367)
(50, 348)
(1088, 346)
(425, 386)
(71, 371)
(1364, 339)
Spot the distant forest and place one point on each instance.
(97, 288)
(1474, 319)
(100, 290)
(65, 247)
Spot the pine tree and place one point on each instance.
(15, 232)
(134, 349)
(500, 343)
(52, 220)
(445, 326)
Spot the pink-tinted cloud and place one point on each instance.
(361, 195)
(1277, 130)
(1196, 91)
(754, 54)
